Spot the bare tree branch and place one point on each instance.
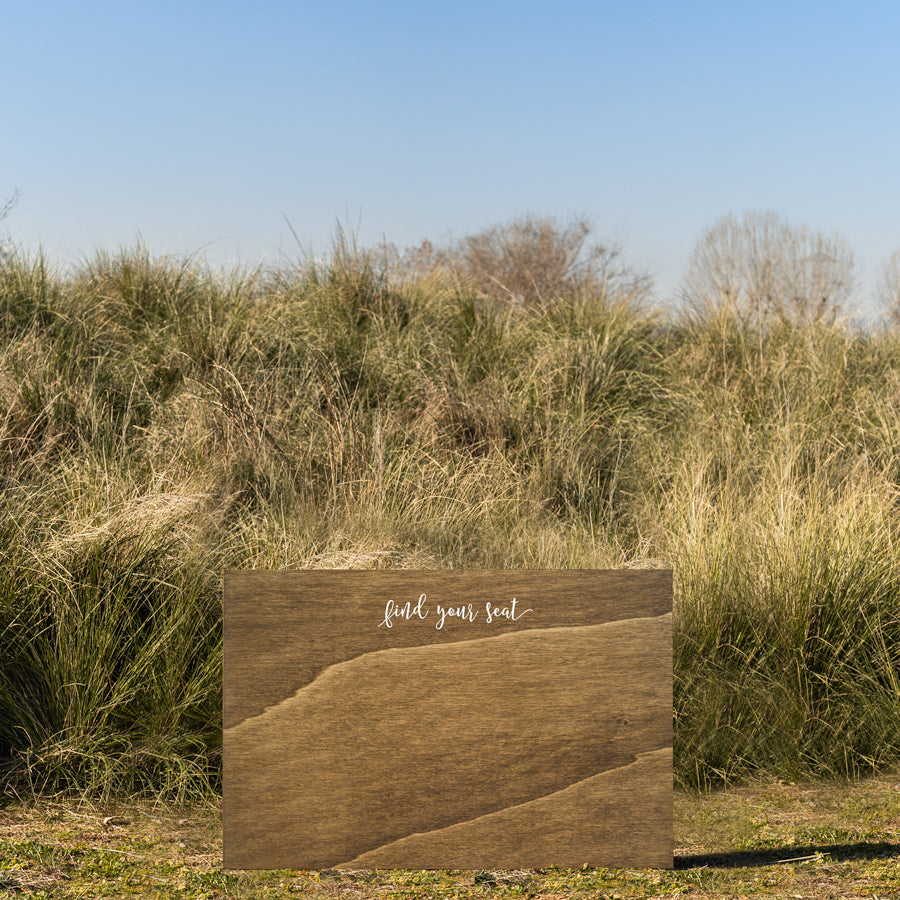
(765, 267)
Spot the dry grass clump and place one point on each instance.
(161, 422)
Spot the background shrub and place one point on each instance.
(765, 267)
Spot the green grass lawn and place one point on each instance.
(771, 839)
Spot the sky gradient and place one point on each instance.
(205, 126)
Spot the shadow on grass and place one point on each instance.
(776, 855)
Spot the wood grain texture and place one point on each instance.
(542, 741)
(546, 828)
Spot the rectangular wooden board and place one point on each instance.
(447, 719)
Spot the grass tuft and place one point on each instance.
(160, 422)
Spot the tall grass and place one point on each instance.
(160, 421)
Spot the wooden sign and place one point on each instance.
(447, 719)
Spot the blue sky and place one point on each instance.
(200, 126)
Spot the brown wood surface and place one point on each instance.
(544, 741)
